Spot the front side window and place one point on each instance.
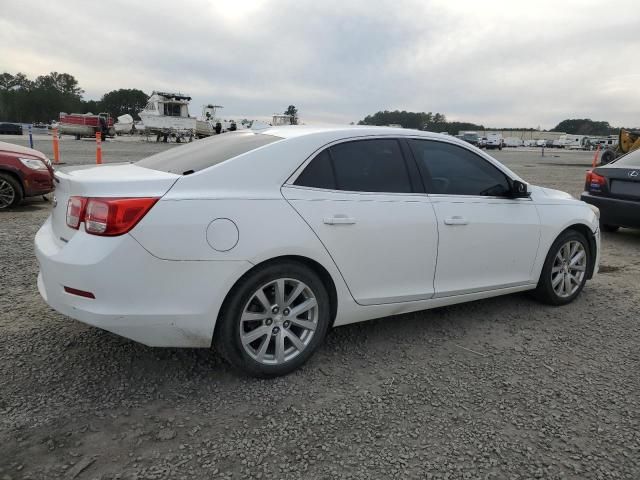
(454, 170)
(375, 165)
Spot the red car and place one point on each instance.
(24, 172)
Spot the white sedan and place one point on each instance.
(259, 242)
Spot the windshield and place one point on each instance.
(206, 153)
(631, 159)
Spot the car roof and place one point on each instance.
(341, 131)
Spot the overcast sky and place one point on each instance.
(490, 62)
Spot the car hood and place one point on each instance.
(20, 150)
(558, 194)
(543, 194)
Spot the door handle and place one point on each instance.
(339, 220)
(456, 220)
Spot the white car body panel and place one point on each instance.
(495, 246)
(164, 282)
(155, 302)
(392, 227)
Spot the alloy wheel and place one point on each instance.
(7, 193)
(279, 321)
(569, 268)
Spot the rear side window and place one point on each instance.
(375, 165)
(453, 170)
(319, 173)
(206, 153)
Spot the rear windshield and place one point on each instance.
(205, 153)
(631, 159)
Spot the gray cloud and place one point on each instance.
(493, 62)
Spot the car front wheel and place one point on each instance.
(565, 269)
(274, 320)
(10, 191)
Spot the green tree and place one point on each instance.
(293, 111)
(6, 81)
(23, 100)
(584, 126)
(61, 82)
(124, 100)
(436, 122)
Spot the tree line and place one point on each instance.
(437, 122)
(42, 99)
(585, 126)
(434, 122)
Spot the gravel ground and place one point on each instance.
(501, 388)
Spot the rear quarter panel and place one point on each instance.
(267, 228)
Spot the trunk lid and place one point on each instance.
(622, 181)
(119, 180)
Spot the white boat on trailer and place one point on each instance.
(208, 124)
(166, 116)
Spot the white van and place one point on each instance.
(494, 140)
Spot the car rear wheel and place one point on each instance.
(565, 269)
(10, 191)
(274, 320)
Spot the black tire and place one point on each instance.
(609, 228)
(607, 156)
(9, 183)
(544, 291)
(227, 335)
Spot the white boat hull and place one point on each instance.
(165, 124)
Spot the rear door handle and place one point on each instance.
(456, 220)
(339, 220)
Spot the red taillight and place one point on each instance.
(593, 177)
(109, 216)
(594, 180)
(75, 211)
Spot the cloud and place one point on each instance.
(493, 62)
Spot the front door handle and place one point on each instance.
(456, 220)
(339, 220)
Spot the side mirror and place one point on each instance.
(519, 189)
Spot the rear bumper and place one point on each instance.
(614, 211)
(156, 302)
